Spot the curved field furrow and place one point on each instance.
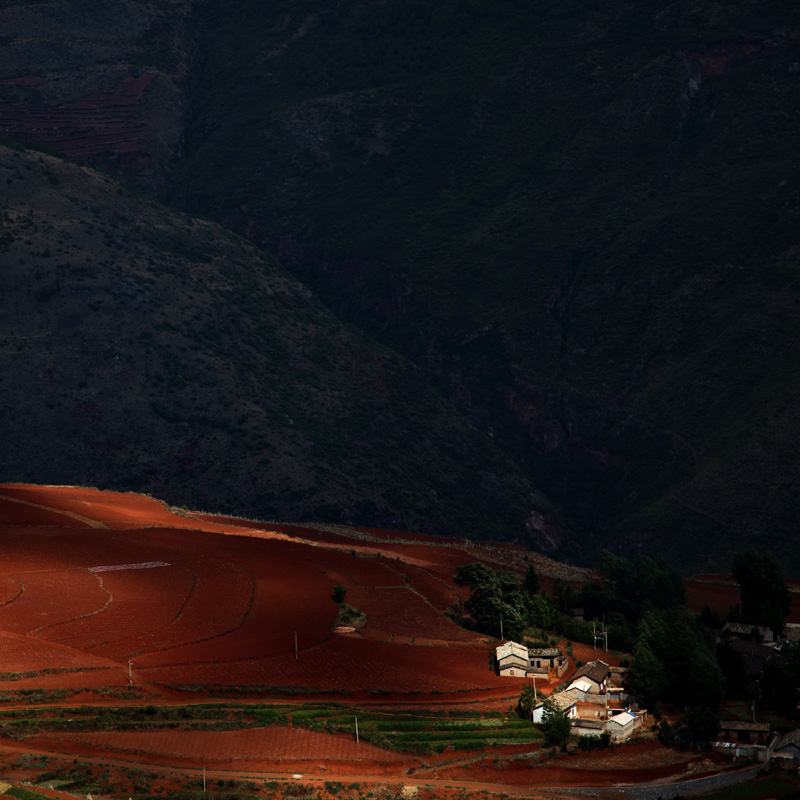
(10, 589)
(14, 512)
(142, 600)
(253, 744)
(52, 597)
(217, 605)
(291, 594)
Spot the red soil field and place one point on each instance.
(720, 592)
(255, 744)
(14, 512)
(220, 619)
(399, 611)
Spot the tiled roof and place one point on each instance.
(793, 737)
(735, 725)
(596, 671)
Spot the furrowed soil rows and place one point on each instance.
(255, 744)
(402, 612)
(20, 654)
(435, 590)
(52, 597)
(143, 600)
(218, 603)
(347, 665)
(292, 593)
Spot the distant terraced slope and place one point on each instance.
(103, 82)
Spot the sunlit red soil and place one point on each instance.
(99, 586)
(197, 602)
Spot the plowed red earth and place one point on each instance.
(213, 606)
(720, 592)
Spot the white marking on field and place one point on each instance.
(144, 565)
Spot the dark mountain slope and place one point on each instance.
(581, 219)
(103, 81)
(142, 349)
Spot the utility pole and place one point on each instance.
(356, 730)
(130, 673)
(501, 627)
(295, 644)
(204, 779)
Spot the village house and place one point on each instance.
(788, 746)
(512, 659)
(737, 732)
(621, 726)
(560, 701)
(548, 661)
(751, 633)
(591, 678)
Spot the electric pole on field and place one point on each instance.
(204, 779)
(295, 644)
(356, 730)
(501, 627)
(130, 673)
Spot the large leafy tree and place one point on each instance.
(496, 600)
(764, 596)
(556, 726)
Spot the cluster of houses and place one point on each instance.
(593, 702)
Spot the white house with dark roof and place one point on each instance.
(591, 678)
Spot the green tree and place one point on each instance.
(339, 593)
(531, 582)
(496, 600)
(527, 701)
(556, 726)
(762, 588)
(540, 611)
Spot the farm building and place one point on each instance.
(750, 632)
(621, 726)
(548, 661)
(560, 701)
(512, 659)
(788, 746)
(591, 678)
(588, 727)
(743, 732)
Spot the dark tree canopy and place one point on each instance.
(496, 600)
(674, 661)
(762, 589)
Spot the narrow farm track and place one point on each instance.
(90, 521)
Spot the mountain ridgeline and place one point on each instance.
(568, 232)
